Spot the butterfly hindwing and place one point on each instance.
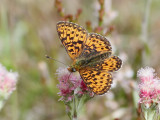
(98, 81)
(110, 64)
(73, 37)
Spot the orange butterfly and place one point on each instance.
(91, 55)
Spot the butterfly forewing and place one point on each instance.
(73, 37)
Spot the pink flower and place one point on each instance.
(146, 75)
(149, 86)
(70, 84)
(157, 88)
(8, 81)
(83, 86)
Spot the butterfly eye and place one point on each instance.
(73, 70)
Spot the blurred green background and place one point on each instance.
(28, 33)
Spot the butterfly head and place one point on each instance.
(71, 69)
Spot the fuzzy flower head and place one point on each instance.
(146, 75)
(70, 84)
(8, 81)
(149, 86)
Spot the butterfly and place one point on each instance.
(91, 55)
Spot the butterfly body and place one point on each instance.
(91, 55)
(81, 63)
(78, 64)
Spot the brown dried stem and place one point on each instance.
(101, 11)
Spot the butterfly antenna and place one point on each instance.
(69, 75)
(54, 59)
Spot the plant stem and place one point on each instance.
(101, 12)
(145, 22)
(145, 32)
(74, 115)
(15, 112)
(1, 104)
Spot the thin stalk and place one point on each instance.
(144, 31)
(74, 115)
(1, 104)
(15, 111)
(145, 21)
